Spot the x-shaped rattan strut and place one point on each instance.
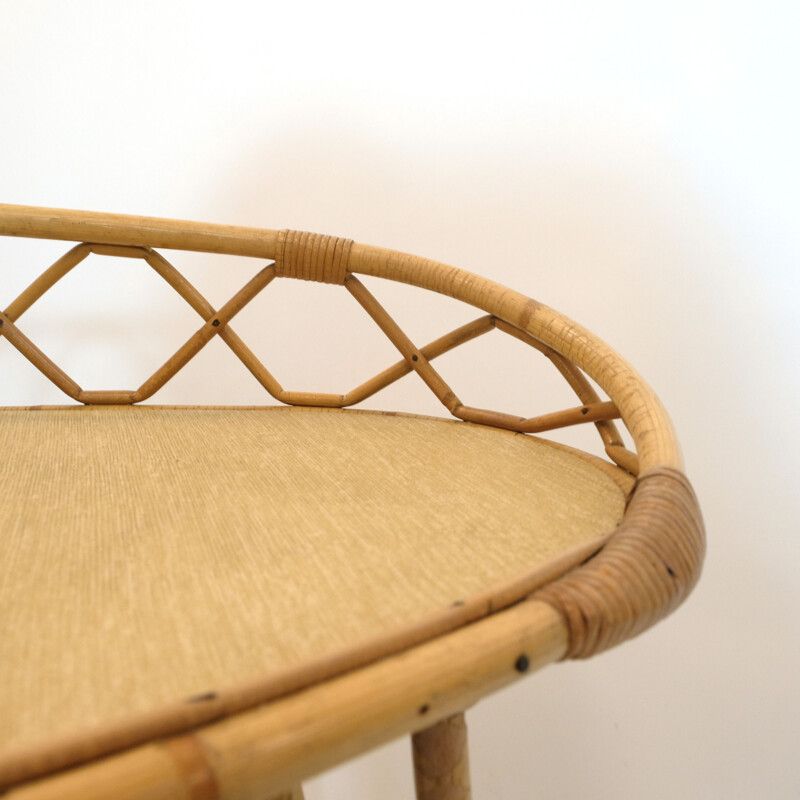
(216, 322)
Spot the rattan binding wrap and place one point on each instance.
(312, 256)
(644, 571)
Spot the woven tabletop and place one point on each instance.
(153, 554)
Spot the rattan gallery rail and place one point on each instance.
(208, 602)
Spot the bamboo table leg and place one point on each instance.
(441, 761)
(293, 794)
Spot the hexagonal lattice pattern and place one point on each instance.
(216, 322)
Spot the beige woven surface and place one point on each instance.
(153, 554)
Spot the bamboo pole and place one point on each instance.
(117, 251)
(106, 397)
(137, 231)
(46, 280)
(438, 347)
(483, 416)
(441, 761)
(292, 794)
(251, 362)
(413, 356)
(179, 283)
(592, 412)
(39, 360)
(545, 422)
(199, 303)
(624, 458)
(216, 322)
(572, 375)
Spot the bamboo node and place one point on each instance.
(312, 256)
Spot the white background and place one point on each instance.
(632, 164)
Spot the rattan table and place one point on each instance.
(220, 602)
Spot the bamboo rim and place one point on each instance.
(270, 746)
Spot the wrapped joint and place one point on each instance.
(312, 256)
(648, 566)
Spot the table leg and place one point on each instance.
(293, 794)
(441, 761)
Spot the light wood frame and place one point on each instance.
(232, 745)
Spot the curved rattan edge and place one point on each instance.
(136, 231)
(646, 569)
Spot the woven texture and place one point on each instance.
(312, 256)
(154, 554)
(648, 567)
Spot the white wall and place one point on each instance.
(632, 164)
